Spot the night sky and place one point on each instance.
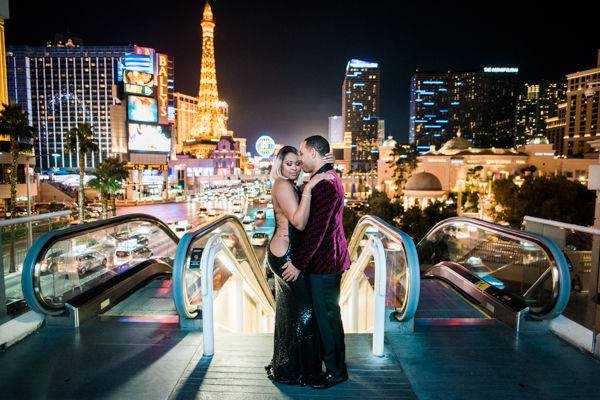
(280, 64)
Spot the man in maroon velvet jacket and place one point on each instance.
(323, 254)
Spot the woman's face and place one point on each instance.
(291, 166)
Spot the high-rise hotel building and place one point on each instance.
(480, 104)
(430, 110)
(537, 103)
(61, 85)
(361, 112)
(582, 110)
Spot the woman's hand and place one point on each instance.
(316, 179)
(329, 158)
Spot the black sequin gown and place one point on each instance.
(296, 358)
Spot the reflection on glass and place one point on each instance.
(395, 261)
(500, 260)
(14, 244)
(578, 247)
(233, 275)
(74, 265)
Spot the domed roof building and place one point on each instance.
(421, 189)
(423, 181)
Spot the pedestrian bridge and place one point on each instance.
(132, 310)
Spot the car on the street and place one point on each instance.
(130, 251)
(141, 253)
(259, 239)
(260, 214)
(143, 240)
(90, 261)
(236, 207)
(212, 213)
(180, 227)
(248, 224)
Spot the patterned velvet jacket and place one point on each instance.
(322, 248)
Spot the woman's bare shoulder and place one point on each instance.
(282, 185)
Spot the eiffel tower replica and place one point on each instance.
(210, 123)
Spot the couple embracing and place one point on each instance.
(308, 254)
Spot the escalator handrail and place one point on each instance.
(29, 280)
(184, 247)
(410, 251)
(561, 284)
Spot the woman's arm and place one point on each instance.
(297, 213)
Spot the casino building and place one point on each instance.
(61, 85)
(142, 120)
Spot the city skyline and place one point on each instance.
(305, 72)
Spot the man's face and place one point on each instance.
(305, 156)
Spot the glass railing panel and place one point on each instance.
(498, 256)
(395, 259)
(16, 238)
(402, 275)
(70, 265)
(236, 274)
(579, 245)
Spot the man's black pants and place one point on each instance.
(325, 291)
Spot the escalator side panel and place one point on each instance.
(88, 305)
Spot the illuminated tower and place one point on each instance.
(211, 119)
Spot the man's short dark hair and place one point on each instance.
(319, 143)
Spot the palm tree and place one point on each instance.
(14, 124)
(110, 174)
(81, 139)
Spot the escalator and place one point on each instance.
(77, 273)
(123, 269)
(475, 272)
(464, 272)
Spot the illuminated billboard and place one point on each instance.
(139, 62)
(145, 138)
(142, 109)
(137, 82)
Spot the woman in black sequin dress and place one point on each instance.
(296, 358)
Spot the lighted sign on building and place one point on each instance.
(137, 82)
(163, 88)
(265, 146)
(142, 109)
(501, 70)
(147, 138)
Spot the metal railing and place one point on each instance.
(394, 272)
(219, 250)
(581, 245)
(16, 237)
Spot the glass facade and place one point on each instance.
(361, 110)
(430, 107)
(479, 104)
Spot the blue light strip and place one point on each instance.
(433, 82)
